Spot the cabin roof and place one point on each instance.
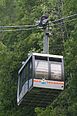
(47, 55)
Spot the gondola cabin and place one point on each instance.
(40, 70)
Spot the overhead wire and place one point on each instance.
(10, 30)
(67, 17)
(30, 27)
(21, 29)
(18, 26)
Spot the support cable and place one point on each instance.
(67, 17)
(19, 26)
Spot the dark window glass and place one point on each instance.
(30, 69)
(55, 59)
(25, 74)
(40, 58)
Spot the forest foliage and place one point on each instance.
(15, 46)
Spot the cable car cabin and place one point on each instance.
(40, 70)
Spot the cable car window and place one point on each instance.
(23, 77)
(26, 72)
(40, 58)
(20, 85)
(30, 68)
(55, 59)
(56, 70)
(41, 69)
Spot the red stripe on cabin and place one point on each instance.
(49, 82)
